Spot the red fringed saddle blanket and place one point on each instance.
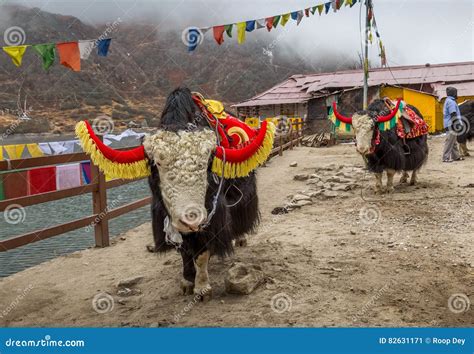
(410, 125)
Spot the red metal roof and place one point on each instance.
(285, 92)
(300, 88)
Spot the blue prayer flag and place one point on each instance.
(103, 47)
(250, 25)
(327, 6)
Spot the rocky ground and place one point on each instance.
(329, 252)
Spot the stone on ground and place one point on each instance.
(300, 177)
(243, 278)
(129, 282)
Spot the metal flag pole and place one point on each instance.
(366, 53)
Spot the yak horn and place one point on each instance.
(344, 119)
(383, 119)
(129, 164)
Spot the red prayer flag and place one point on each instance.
(269, 23)
(41, 180)
(306, 12)
(219, 34)
(15, 184)
(69, 55)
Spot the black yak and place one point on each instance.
(236, 210)
(200, 165)
(385, 150)
(465, 131)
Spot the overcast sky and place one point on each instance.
(413, 31)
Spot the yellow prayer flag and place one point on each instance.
(241, 32)
(14, 151)
(1, 153)
(34, 150)
(284, 19)
(348, 2)
(320, 9)
(16, 53)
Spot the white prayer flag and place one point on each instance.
(85, 48)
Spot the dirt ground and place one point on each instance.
(347, 258)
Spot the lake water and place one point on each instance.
(60, 211)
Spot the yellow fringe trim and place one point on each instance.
(111, 169)
(243, 169)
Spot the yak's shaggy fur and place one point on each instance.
(390, 153)
(237, 207)
(467, 111)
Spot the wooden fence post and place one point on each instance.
(299, 135)
(280, 151)
(291, 137)
(99, 203)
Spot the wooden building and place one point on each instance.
(310, 96)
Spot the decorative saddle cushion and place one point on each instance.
(410, 125)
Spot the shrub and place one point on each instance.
(35, 125)
(120, 115)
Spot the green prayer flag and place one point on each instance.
(46, 51)
(313, 9)
(228, 30)
(276, 20)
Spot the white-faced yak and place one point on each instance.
(391, 140)
(200, 164)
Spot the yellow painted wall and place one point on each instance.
(439, 115)
(392, 92)
(427, 104)
(254, 122)
(464, 98)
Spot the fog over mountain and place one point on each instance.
(148, 57)
(414, 32)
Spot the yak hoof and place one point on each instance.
(403, 180)
(187, 287)
(241, 242)
(204, 294)
(412, 183)
(151, 248)
(390, 190)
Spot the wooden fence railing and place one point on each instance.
(99, 217)
(288, 141)
(101, 214)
